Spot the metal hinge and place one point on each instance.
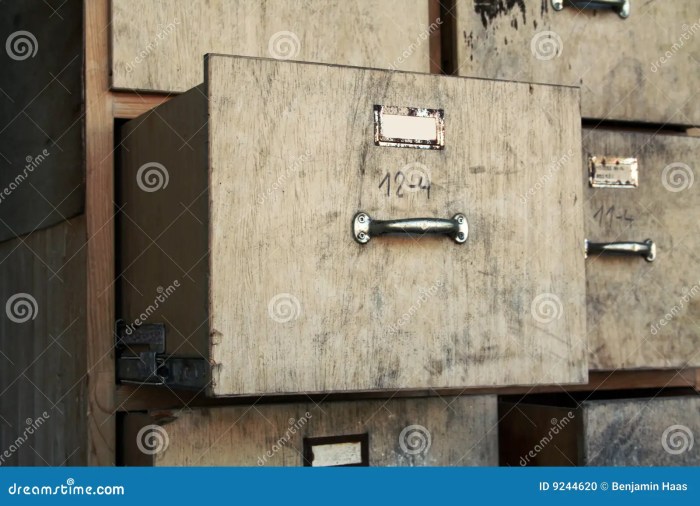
(141, 359)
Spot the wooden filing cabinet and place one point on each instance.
(158, 45)
(638, 68)
(256, 191)
(654, 431)
(448, 431)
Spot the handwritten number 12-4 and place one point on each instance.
(418, 182)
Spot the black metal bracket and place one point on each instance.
(141, 360)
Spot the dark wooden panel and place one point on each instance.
(41, 111)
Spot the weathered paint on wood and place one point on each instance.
(448, 431)
(43, 378)
(160, 45)
(289, 300)
(619, 432)
(645, 314)
(634, 69)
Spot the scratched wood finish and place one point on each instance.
(42, 347)
(642, 314)
(618, 432)
(616, 61)
(159, 45)
(448, 431)
(286, 297)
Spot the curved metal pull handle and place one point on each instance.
(622, 7)
(647, 249)
(364, 227)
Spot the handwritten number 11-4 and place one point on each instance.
(417, 182)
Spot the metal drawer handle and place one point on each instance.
(647, 249)
(364, 227)
(622, 7)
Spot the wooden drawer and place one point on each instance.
(643, 68)
(244, 191)
(655, 431)
(644, 314)
(158, 45)
(449, 431)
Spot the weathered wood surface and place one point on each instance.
(42, 347)
(619, 432)
(641, 314)
(41, 146)
(618, 62)
(160, 45)
(505, 308)
(449, 431)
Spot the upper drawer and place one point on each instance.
(640, 313)
(642, 68)
(158, 45)
(247, 190)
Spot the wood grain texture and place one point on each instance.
(42, 347)
(461, 432)
(99, 209)
(131, 105)
(42, 167)
(160, 45)
(282, 194)
(617, 62)
(628, 298)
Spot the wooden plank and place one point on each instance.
(41, 148)
(645, 314)
(99, 149)
(42, 347)
(401, 432)
(159, 46)
(634, 69)
(132, 105)
(435, 41)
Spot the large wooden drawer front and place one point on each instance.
(645, 314)
(619, 432)
(447, 431)
(282, 299)
(643, 68)
(158, 45)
